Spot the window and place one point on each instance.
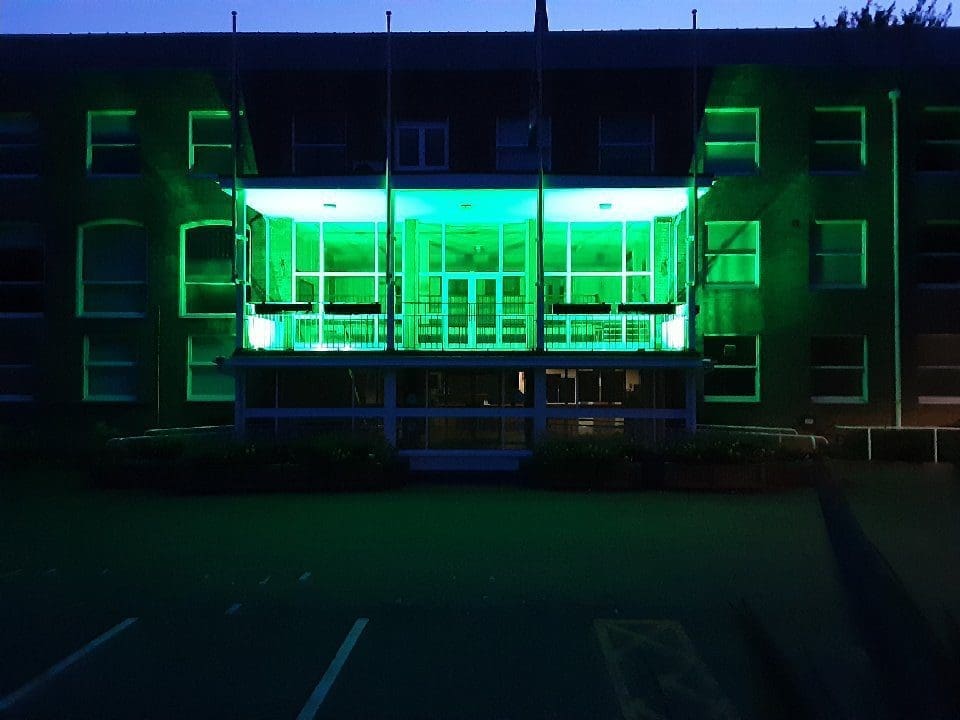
(112, 269)
(19, 145)
(113, 142)
(838, 369)
(731, 141)
(205, 381)
(319, 144)
(206, 269)
(421, 146)
(18, 354)
(939, 149)
(517, 144)
(938, 369)
(110, 369)
(938, 258)
(839, 140)
(626, 145)
(838, 254)
(210, 142)
(732, 255)
(21, 269)
(735, 376)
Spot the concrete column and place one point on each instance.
(690, 407)
(539, 404)
(390, 406)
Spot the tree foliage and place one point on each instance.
(875, 15)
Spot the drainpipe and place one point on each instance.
(894, 96)
(693, 251)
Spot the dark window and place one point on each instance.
(319, 144)
(735, 376)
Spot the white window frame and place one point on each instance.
(863, 367)
(731, 253)
(860, 142)
(82, 284)
(191, 145)
(29, 283)
(184, 229)
(193, 363)
(651, 144)
(755, 398)
(30, 140)
(755, 142)
(862, 255)
(422, 126)
(87, 364)
(93, 146)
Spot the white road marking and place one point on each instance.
(305, 576)
(12, 573)
(266, 580)
(233, 609)
(50, 673)
(319, 693)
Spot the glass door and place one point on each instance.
(471, 303)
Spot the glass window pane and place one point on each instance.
(727, 237)
(114, 252)
(208, 251)
(408, 147)
(308, 247)
(115, 298)
(839, 237)
(554, 247)
(638, 246)
(515, 247)
(596, 247)
(348, 247)
(596, 290)
(212, 129)
(435, 144)
(217, 299)
(348, 289)
(731, 269)
(473, 248)
(837, 125)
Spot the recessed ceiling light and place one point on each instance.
(466, 206)
(332, 206)
(606, 206)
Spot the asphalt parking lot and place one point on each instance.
(443, 602)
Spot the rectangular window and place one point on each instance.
(731, 141)
(938, 256)
(18, 355)
(838, 369)
(517, 144)
(206, 270)
(838, 137)
(110, 369)
(732, 254)
(113, 142)
(735, 376)
(421, 146)
(938, 369)
(205, 380)
(210, 142)
(939, 149)
(19, 145)
(627, 144)
(319, 144)
(21, 270)
(112, 270)
(838, 257)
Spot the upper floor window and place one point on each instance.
(939, 149)
(626, 144)
(205, 381)
(938, 369)
(422, 146)
(19, 353)
(838, 369)
(732, 254)
(319, 144)
(113, 142)
(735, 376)
(110, 368)
(517, 141)
(838, 254)
(206, 269)
(19, 145)
(731, 141)
(210, 142)
(21, 269)
(838, 137)
(112, 269)
(938, 259)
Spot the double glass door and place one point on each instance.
(471, 303)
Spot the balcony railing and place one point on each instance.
(469, 326)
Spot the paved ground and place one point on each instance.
(482, 602)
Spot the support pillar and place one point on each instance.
(539, 404)
(390, 406)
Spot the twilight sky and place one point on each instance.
(58, 16)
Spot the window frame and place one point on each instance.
(708, 254)
(924, 254)
(32, 144)
(814, 253)
(862, 142)
(955, 368)
(651, 144)
(192, 363)
(953, 142)
(184, 228)
(707, 142)
(91, 146)
(82, 284)
(87, 397)
(545, 147)
(41, 283)
(864, 396)
(295, 144)
(727, 399)
(422, 126)
(192, 146)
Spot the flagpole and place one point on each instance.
(391, 261)
(540, 26)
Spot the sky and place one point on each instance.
(82, 16)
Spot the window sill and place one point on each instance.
(111, 316)
(727, 399)
(837, 400)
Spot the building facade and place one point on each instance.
(644, 231)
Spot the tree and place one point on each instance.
(873, 15)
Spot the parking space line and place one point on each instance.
(55, 670)
(319, 693)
